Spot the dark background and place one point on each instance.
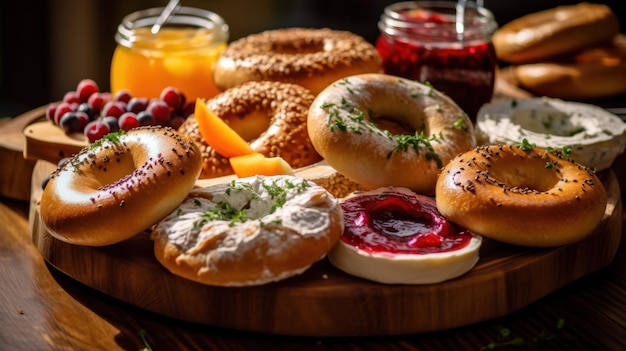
(47, 46)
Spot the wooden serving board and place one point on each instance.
(45, 141)
(15, 170)
(325, 302)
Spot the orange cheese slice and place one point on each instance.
(217, 134)
(257, 164)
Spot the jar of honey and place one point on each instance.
(181, 54)
(430, 42)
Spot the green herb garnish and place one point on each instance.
(223, 211)
(566, 151)
(575, 131)
(336, 122)
(460, 124)
(525, 145)
(505, 338)
(405, 141)
(112, 137)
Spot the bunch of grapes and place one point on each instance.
(92, 112)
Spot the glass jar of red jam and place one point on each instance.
(425, 41)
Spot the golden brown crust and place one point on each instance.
(312, 58)
(358, 126)
(116, 189)
(281, 111)
(593, 73)
(523, 197)
(270, 245)
(549, 33)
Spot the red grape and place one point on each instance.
(50, 109)
(98, 113)
(98, 100)
(95, 130)
(74, 121)
(71, 97)
(113, 109)
(137, 104)
(175, 122)
(189, 108)
(123, 95)
(128, 121)
(160, 111)
(63, 108)
(173, 97)
(86, 88)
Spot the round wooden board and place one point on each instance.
(323, 301)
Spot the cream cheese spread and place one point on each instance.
(596, 137)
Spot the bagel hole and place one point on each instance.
(534, 176)
(251, 125)
(115, 171)
(393, 126)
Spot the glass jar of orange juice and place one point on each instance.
(181, 54)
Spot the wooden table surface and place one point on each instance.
(41, 309)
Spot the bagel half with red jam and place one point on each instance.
(395, 236)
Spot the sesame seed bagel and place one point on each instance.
(120, 186)
(250, 231)
(379, 130)
(312, 58)
(521, 195)
(271, 116)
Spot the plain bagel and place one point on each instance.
(549, 33)
(380, 130)
(593, 73)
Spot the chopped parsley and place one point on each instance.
(431, 91)
(575, 131)
(525, 145)
(112, 137)
(405, 141)
(225, 211)
(336, 121)
(566, 151)
(460, 124)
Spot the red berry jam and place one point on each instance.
(423, 44)
(398, 223)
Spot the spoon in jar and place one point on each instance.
(171, 6)
(460, 18)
